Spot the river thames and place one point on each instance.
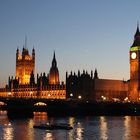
(84, 128)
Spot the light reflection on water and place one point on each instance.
(8, 133)
(79, 131)
(103, 128)
(84, 128)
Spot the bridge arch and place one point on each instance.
(2, 103)
(40, 104)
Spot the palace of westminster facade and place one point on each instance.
(24, 85)
(77, 86)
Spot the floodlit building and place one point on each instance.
(80, 86)
(110, 90)
(25, 64)
(134, 56)
(46, 86)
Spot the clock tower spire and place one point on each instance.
(134, 89)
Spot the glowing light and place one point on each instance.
(49, 136)
(103, 128)
(103, 97)
(126, 99)
(40, 104)
(2, 103)
(31, 93)
(79, 97)
(133, 55)
(9, 93)
(116, 99)
(79, 131)
(127, 127)
(8, 133)
(71, 95)
(71, 121)
(19, 57)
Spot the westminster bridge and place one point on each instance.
(26, 106)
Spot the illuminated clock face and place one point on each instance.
(133, 55)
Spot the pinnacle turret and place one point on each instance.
(136, 37)
(137, 31)
(54, 63)
(95, 74)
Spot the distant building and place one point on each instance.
(80, 85)
(85, 86)
(110, 90)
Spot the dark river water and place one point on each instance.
(84, 128)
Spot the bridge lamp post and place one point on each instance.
(126, 99)
(71, 95)
(103, 98)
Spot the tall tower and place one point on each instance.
(54, 73)
(25, 65)
(134, 89)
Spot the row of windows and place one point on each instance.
(49, 95)
(43, 96)
(25, 89)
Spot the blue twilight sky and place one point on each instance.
(86, 34)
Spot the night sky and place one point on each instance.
(85, 34)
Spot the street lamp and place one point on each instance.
(126, 99)
(103, 98)
(79, 97)
(71, 95)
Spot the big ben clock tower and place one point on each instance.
(134, 88)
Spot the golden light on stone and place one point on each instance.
(9, 93)
(25, 64)
(40, 104)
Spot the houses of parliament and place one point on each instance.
(23, 85)
(77, 86)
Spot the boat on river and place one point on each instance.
(49, 126)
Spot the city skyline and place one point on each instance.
(84, 34)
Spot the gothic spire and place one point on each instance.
(54, 63)
(17, 50)
(136, 37)
(33, 51)
(137, 31)
(54, 55)
(54, 73)
(95, 74)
